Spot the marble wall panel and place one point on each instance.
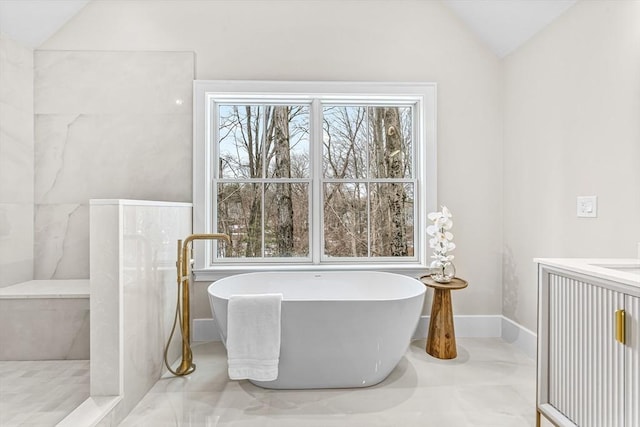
(16, 155)
(108, 125)
(44, 329)
(53, 133)
(62, 241)
(142, 156)
(16, 76)
(16, 243)
(16, 163)
(133, 294)
(15, 272)
(150, 235)
(68, 82)
(105, 301)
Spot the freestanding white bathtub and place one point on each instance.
(338, 329)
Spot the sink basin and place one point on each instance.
(633, 269)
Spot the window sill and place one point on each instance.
(212, 274)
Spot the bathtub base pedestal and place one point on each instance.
(441, 341)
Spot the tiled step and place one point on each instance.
(45, 320)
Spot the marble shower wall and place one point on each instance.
(133, 295)
(107, 125)
(16, 162)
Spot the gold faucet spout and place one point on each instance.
(182, 265)
(202, 236)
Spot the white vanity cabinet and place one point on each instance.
(588, 343)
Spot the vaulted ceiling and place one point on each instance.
(31, 22)
(502, 24)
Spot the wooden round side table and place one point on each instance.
(441, 341)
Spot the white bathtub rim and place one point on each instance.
(417, 290)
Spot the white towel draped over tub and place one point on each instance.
(253, 336)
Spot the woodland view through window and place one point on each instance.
(315, 179)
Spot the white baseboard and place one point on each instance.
(205, 330)
(91, 412)
(521, 337)
(466, 326)
(483, 326)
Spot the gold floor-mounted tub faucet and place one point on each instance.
(183, 266)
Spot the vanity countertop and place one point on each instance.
(624, 270)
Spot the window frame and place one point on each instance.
(422, 95)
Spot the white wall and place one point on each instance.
(572, 114)
(16, 162)
(346, 40)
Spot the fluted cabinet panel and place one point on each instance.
(586, 363)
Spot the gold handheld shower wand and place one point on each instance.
(183, 315)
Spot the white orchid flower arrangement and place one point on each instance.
(441, 238)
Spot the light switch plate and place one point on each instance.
(587, 206)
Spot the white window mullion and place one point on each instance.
(368, 186)
(262, 215)
(418, 167)
(368, 177)
(263, 153)
(316, 223)
(211, 156)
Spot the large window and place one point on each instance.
(314, 173)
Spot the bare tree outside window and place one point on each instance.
(261, 148)
(367, 158)
(264, 182)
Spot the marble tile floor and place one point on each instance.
(41, 393)
(491, 384)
